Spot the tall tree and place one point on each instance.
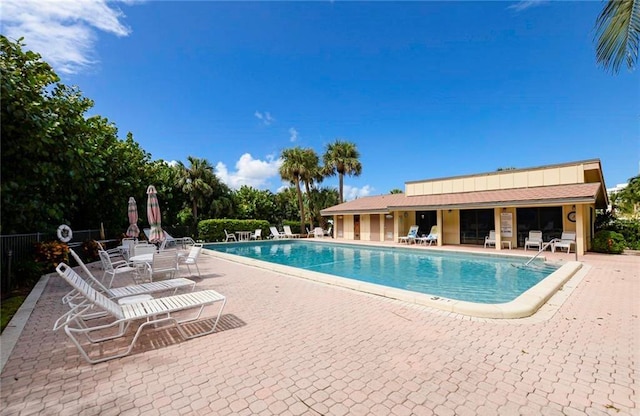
(342, 157)
(293, 169)
(618, 34)
(195, 181)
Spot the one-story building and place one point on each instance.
(552, 199)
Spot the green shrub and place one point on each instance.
(608, 242)
(213, 230)
(51, 253)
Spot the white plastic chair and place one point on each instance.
(275, 233)
(411, 235)
(164, 263)
(113, 269)
(490, 239)
(230, 237)
(257, 235)
(567, 239)
(192, 258)
(534, 240)
(288, 233)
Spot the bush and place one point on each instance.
(608, 242)
(213, 230)
(51, 253)
(629, 228)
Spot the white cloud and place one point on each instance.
(351, 192)
(63, 31)
(293, 134)
(264, 117)
(249, 171)
(526, 4)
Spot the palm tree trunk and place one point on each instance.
(195, 215)
(300, 204)
(341, 179)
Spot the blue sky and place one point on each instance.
(424, 89)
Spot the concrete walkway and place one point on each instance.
(288, 346)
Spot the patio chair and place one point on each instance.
(230, 237)
(309, 232)
(125, 294)
(192, 258)
(113, 252)
(287, 232)
(152, 312)
(143, 248)
(257, 235)
(490, 239)
(534, 240)
(275, 233)
(126, 247)
(164, 263)
(328, 233)
(567, 239)
(113, 269)
(430, 238)
(411, 235)
(318, 232)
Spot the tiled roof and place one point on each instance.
(574, 193)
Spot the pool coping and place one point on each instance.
(523, 306)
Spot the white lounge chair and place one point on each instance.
(567, 239)
(287, 232)
(230, 237)
(126, 294)
(534, 240)
(318, 232)
(275, 233)
(430, 238)
(309, 233)
(411, 235)
(328, 233)
(152, 312)
(192, 258)
(490, 239)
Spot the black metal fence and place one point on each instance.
(19, 248)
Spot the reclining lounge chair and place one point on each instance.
(152, 312)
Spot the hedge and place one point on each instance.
(213, 230)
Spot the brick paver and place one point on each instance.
(294, 347)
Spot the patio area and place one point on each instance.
(289, 346)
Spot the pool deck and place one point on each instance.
(291, 346)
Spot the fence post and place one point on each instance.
(9, 255)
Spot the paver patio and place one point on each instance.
(288, 346)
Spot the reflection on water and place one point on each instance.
(473, 278)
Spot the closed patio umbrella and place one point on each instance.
(156, 234)
(133, 230)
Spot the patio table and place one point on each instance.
(244, 235)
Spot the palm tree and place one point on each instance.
(618, 34)
(195, 181)
(341, 157)
(311, 174)
(294, 169)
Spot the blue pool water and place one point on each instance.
(469, 277)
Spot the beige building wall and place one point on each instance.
(554, 175)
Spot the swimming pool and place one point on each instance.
(462, 277)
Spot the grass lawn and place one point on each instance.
(9, 308)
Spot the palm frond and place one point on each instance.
(617, 33)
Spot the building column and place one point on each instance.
(439, 224)
(580, 226)
(497, 220)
